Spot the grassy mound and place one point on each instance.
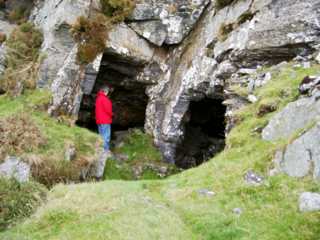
(18, 200)
(29, 132)
(173, 208)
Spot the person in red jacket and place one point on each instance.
(104, 116)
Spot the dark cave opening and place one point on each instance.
(204, 133)
(128, 96)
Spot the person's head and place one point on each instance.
(106, 90)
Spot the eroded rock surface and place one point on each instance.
(166, 21)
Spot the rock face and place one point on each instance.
(309, 202)
(294, 117)
(59, 69)
(302, 156)
(173, 54)
(15, 168)
(202, 65)
(166, 21)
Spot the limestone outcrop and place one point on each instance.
(168, 56)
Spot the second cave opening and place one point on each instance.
(204, 133)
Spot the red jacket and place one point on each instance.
(103, 109)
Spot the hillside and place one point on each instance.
(215, 119)
(183, 207)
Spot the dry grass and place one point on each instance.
(19, 134)
(22, 59)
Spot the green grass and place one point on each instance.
(141, 153)
(172, 208)
(18, 200)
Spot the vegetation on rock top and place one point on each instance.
(22, 59)
(91, 32)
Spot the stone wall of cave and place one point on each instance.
(204, 133)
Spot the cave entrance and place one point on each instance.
(204, 133)
(128, 97)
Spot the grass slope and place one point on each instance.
(172, 208)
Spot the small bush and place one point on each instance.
(18, 200)
(22, 59)
(19, 134)
(91, 35)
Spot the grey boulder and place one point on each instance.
(302, 156)
(309, 202)
(295, 116)
(14, 167)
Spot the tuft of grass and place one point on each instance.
(22, 59)
(18, 200)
